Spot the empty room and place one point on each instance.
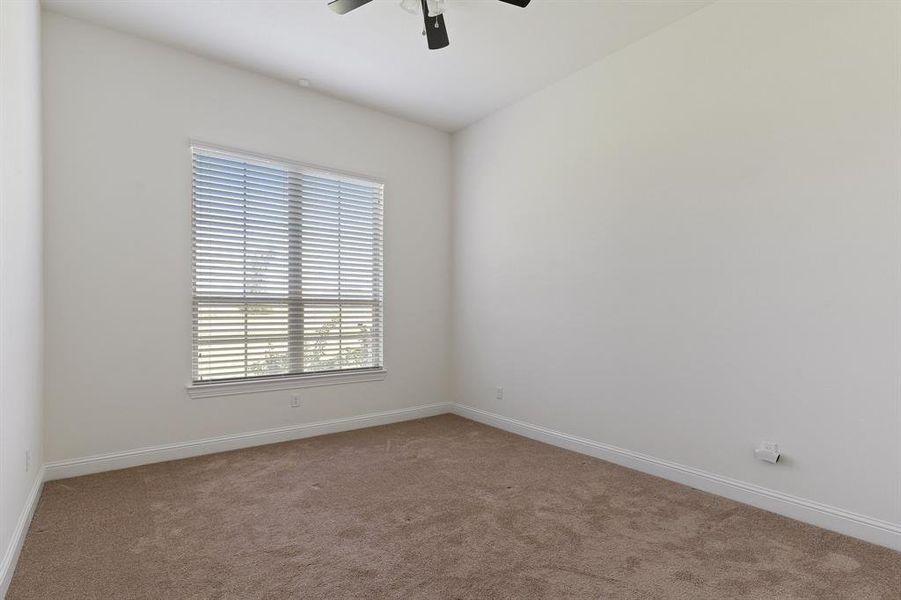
(450, 299)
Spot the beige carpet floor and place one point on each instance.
(435, 508)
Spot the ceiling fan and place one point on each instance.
(432, 14)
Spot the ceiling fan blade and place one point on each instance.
(435, 31)
(519, 3)
(345, 6)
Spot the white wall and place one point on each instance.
(693, 245)
(681, 250)
(21, 308)
(119, 113)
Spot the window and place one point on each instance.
(287, 269)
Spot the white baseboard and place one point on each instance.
(142, 456)
(836, 519)
(866, 528)
(11, 555)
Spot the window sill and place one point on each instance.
(292, 382)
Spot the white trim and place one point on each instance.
(866, 528)
(836, 519)
(154, 454)
(290, 382)
(11, 555)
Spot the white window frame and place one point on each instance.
(274, 383)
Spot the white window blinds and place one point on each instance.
(287, 269)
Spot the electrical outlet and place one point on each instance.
(27, 460)
(768, 452)
(500, 393)
(295, 400)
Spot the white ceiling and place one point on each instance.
(376, 55)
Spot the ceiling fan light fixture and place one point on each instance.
(411, 6)
(436, 7)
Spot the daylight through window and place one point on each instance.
(287, 269)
